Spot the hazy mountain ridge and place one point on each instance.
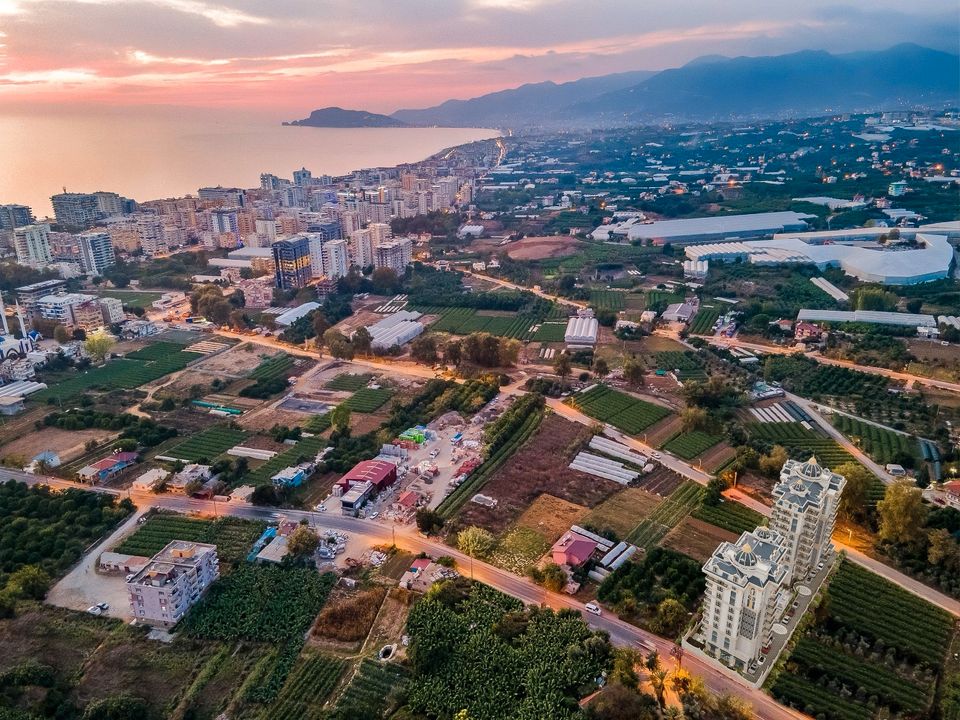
(338, 117)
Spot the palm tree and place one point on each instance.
(653, 661)
(658, 681)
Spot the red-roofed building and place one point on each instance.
(379, 472)
(103, 469)
(806, 331)
(572, 549)
(952, 490)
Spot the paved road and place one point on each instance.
(621, 633)
(523, 288)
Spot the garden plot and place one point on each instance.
(690, 444)
(666, 516)
(551, 516)
(621, 512)
(623, 411)
(206, 445)
(697, 538)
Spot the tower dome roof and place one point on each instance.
(745, 556)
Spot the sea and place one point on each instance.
(151, 153)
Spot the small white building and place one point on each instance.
(396, 329)
(150, 480)
(679, 312)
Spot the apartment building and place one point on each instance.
(394, 254)
(804, 513)
(32, 244)
(292, 260)
(172, 582)
(336, 258)
(96, 252)
(746, 593)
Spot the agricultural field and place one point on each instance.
(51, 529)
(664, 297)
(265, 603)
(155, 351)
(232, 536)
(519, 550)
(349, 382)
(308, 686)
(607, 300)
(368, 400)
(882, 445)
(703, 321)
(131, 298)
(463, 321)
(621, 512)
(690, 444)
(729, 515)
(623, 411)
(696, 538)
(666, 515)
(206, 445)
(540, 466)
(122, 373)
(550, 331)
(551, 516)
(272, 368)
(685, 365)
(796, 437)
(318, 424)
(878, 647)
(307, 447)
(811, 379)
(368, 694)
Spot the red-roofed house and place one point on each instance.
(806, 331)
(952, 490)
(379, 472)
(572, 549)
(106, 468)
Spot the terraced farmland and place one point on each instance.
(368, 400)
(690, 444)
(207, 444)
(619, 409)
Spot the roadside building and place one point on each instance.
(172, 582)
(572, 549)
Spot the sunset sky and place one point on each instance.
(290, 56)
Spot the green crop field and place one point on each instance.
(207, 444)
(367, 694)
(684, 364)
(607, 300)
(348, 382)
(884, 446)
(308, 686)
(122, 373)
(729, 515)
(703, 321)
(368, 400)
(233, 537)
(881, 643)
(619, 409)
(131, 298)
(272, 368)
(155, 351)
(318, 423)
(666, 516)
(690, 444)
(655, 297)
(464, 321)
(550, 331)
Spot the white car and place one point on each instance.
(103, 606)
(592, 608)
(320, 508)
(94, 610)
(434, 453)
(373, 515)
(655, 455)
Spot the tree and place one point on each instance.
(320, 325)
(693, 418)
(600, 368)
(658, 681)
(562, 367)
(670, 618)
(429, 522)
(118, 707)
(902, 513)
(770, 465)
(551, 576)
(714, 493)
(621, 702)
(942, 549)
(362, 341)
(237, 298)
(302, 542)
(338, 345)
(853, 501)
(61, 335)
(633, 372)
(384, 281)
(453, 353)
(30, 581)
(475, 541)
(238, 321)
(340, 418)
(97, 345)
(424, 349)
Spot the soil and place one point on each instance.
(696, 538)
(541, 466)
(68, 444)
(540, 248)
(551, 517)
(623, 511)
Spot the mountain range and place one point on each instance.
(800, 84)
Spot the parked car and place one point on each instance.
(592, 608)
(655, 455)
(103, 606)
(94, 610)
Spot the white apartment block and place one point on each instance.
(32, 243)
(380, 232)
(112, 310)
(746, 593)
(361, 247)
(150, 231)
(336, 258)
(317, 242)
(96, 252)
(172, 582)
(804, 512)
(394, 254)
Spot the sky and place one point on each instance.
(287, 57)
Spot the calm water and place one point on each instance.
(168, 153)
